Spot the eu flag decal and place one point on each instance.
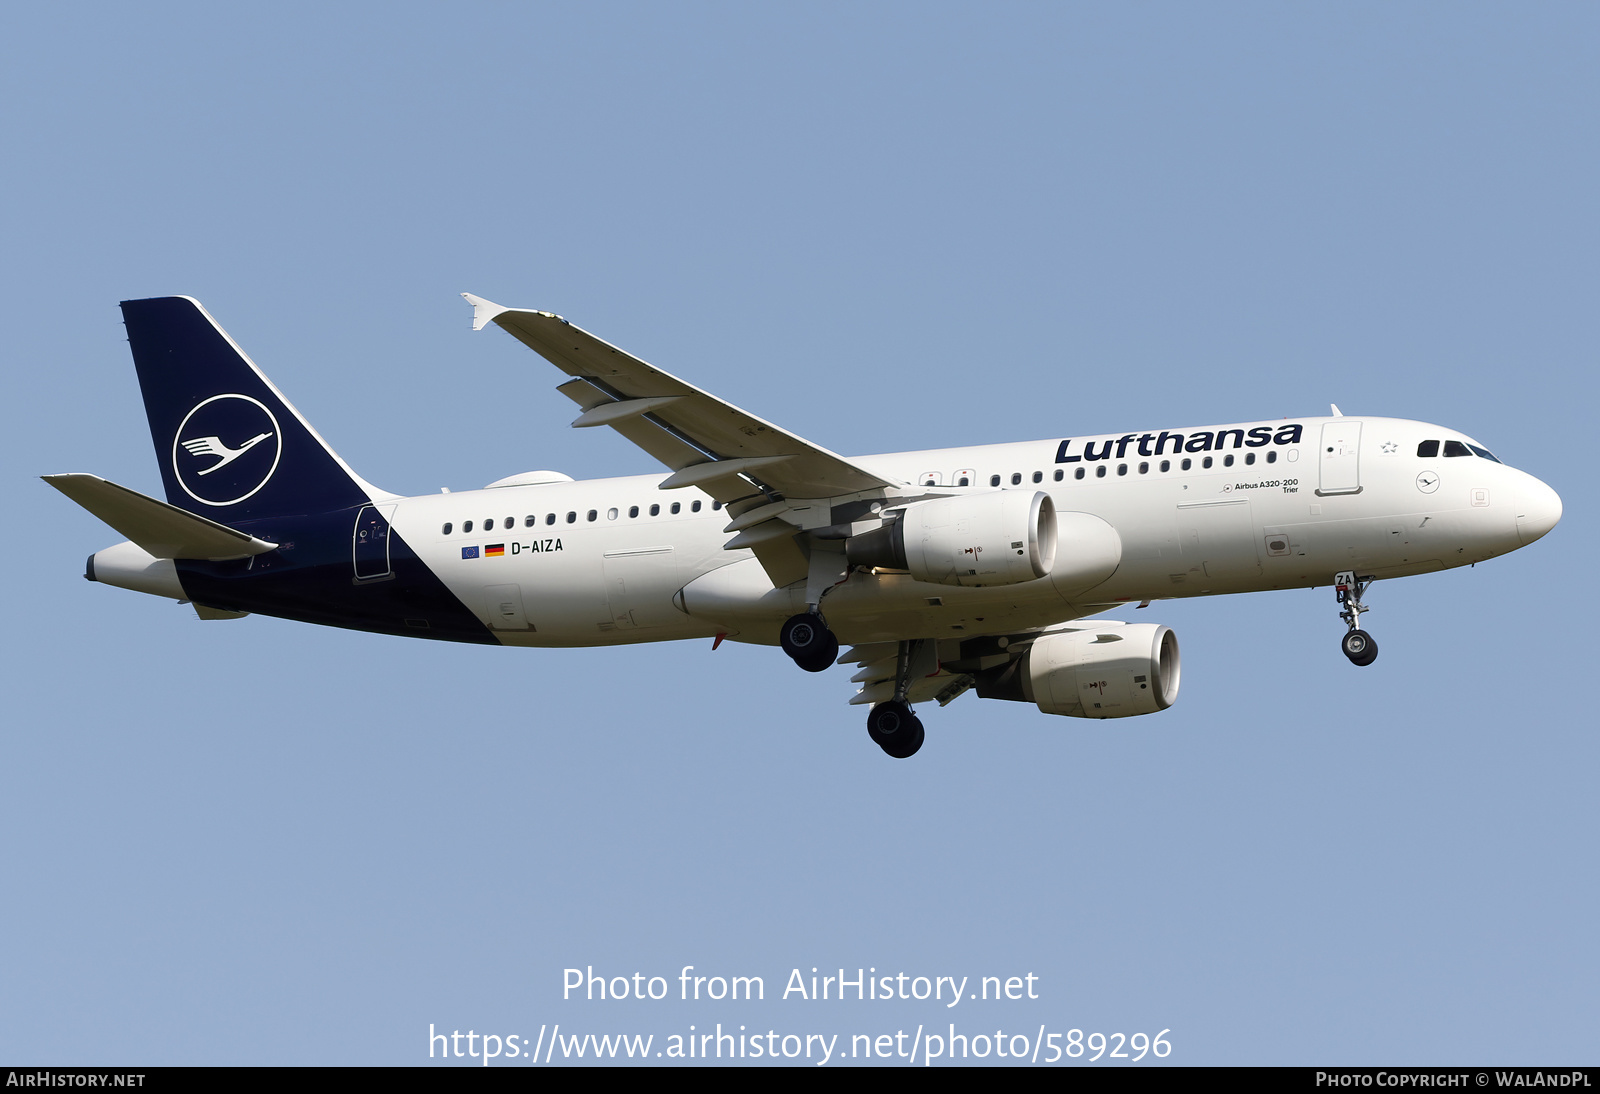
(469, 552)
(494, 550)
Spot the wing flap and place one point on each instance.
(163, 530)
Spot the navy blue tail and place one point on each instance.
(230, 446)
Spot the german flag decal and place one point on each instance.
(494, 550)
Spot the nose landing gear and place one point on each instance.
(1358, 645)
(807, 639)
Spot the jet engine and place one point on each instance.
(1002, 537)
(1104, 670)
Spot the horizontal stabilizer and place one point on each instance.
(163, 530)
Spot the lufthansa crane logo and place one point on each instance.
(226, 449)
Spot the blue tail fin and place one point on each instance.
(230, 446)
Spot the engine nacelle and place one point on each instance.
(1003, 537)
(1106, 670)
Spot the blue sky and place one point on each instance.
(885, 227)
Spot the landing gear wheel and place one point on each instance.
(807, 639)
(821, 659)
(1360, 647)
(895, 729)
(1357, 644)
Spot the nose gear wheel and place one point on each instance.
(1358, 645)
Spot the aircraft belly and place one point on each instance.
(883, 607)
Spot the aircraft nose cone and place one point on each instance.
(1538, 510)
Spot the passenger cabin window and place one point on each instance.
(1166, 465)
(1249, 457)
(1144, 468)
(611, 514)
(467, 527)
(677, 505)
(633, 511)
(531, 521)
(655, 510)
(1272, 457)
(1186, 464)
(694, 506)
(1428, 449)
(1122, 469)
(715, 506)
(1016, 478)
(447, 527)
(1038, 476)
(572, 518)
(511, 522)
(1060, 474)
(1078, 474)
(1227, 461)
(1456, 448)
(1100, 472)
(549, 518)
(594, 514)
(994, 480)
(1206, 462)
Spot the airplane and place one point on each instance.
(946, 571)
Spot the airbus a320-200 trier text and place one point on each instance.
(947, 571)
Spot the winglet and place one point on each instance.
(483, 311)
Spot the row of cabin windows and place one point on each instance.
(1184, 464)
(532, 519)
(963, 479)
(1430, 449)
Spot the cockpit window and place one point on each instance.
(1428, 449)
(1456, 448)
(1484, 452)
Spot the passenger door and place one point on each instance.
(1340, 458)
(369, 547)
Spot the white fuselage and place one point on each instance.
(587, 563)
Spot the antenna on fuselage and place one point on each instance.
(1337, 413)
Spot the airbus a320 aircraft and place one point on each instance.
(947, 570)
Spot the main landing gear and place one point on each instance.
(807, 639)
(1357, 644)
(895, 729)
(890, 724)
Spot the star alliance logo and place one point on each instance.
(234, 438)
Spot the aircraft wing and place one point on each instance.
(945, 670)
(706, 442)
